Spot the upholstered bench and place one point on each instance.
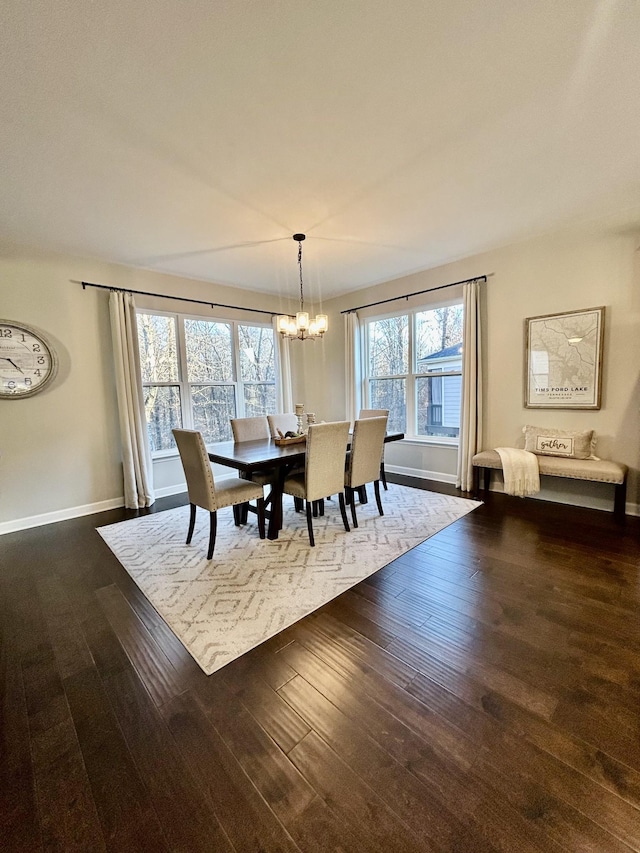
(596, 470)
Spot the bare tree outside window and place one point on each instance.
(389, 357)
(229, 371)
(157, 342)
(427, 393)
(257, 369)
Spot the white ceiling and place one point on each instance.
(196, 137)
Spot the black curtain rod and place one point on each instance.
(415, 293)
(179, 298)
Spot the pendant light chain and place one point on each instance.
(300, 267)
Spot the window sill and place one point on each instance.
(431, 441)
(162, 455)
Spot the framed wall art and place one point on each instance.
(563, 360)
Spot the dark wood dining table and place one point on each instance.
(265, 455)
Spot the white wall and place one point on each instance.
(59, 450)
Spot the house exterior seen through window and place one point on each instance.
(413, 367)
(199, 373)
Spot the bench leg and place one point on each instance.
(620, 501)
(475, 485)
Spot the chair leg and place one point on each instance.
(298, 504)
(376, 488)
(260, 508)
(192, 523)
(310, 524)
(244, 513)
(321, 506)
(236, 515)
(352, 501)
(362, 494)
(343, 511)
(314, 508)
(383, 476)
(213, 524)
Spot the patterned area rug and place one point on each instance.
(253, 588)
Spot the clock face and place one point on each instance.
(27, 361)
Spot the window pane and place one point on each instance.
(438, 406)
(389, 346)
(213, 408)
(162, 408)
(209, 351)
(157, 345)
(257, 356)
(259, 399)
(390, 394)
(439, 339)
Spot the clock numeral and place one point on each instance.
(27, 381)
(36, 347)
(5, 333)
(40, 359)
(37, 373)
(11, 384)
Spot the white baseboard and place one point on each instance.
(59, 515)
(420, 474)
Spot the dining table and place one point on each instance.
(264, 454)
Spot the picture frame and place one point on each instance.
(563, 360)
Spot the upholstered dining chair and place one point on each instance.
(363, 465)
(323, 471)
(378, 413)
(252, 429)
(249, 429)
(202, 488)
(285, 423)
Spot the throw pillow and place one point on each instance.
(559, 442)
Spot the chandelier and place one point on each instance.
(301, 327)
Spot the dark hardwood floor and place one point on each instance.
(481, 693)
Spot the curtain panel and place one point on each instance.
(471, 401)
(284, 399)
(353, 366)
(136, 456)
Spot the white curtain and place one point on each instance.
(136, 456)
(471, 403)
(353, 367)
(284, 399)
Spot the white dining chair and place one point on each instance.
(378, 413)
(202, 489)
(363, 466)
(285, 423)
(253, 429)
(250, 429)
(323, 474)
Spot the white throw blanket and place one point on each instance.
(521, 473)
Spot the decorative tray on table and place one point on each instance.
(296, 439)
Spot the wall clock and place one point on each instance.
(28, 362)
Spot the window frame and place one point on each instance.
(184, 385)
(412, 376)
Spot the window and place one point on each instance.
(200, 373)
(413, 367)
